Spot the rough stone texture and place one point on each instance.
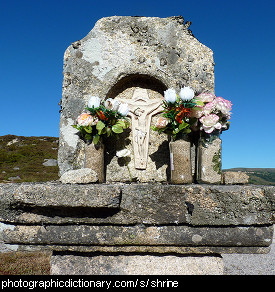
(235, 177)
(153, 54)
(136, 265)
(150, 204)
(94, 159)
(180, 159)
(152, 218)
(50, 162)
(209, 162)
(250, 264)
(51, 198)
(79, 176)
(140, 235)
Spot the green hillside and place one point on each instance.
(22, 158)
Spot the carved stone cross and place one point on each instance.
(141, 111)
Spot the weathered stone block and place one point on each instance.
(235, 177)
(209, 162)
(137, 265)
(198, 205)
(79, 176)
(152, 54)
(139, 235)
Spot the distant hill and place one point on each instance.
(258, 176)
(22, 158)
(30, 159)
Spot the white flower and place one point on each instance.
(210, 123)
(112, 104)
(94, 101)
(170, 95)
(123, 153)
(186, 93)
(123, 109)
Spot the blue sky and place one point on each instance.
(36, 33)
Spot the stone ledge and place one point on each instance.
(57, 195)
(197, 205)
(139, 235)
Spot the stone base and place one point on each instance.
(136, 265)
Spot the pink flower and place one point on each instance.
(223, 105)
(210, 123)
(161, 123)
(209, 108)
(206, 97)
(86, 120)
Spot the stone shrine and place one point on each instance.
(125, 58)
(107, 224)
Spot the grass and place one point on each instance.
(25, 263)
(21, 158)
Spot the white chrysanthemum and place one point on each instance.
(94, 101)
(170, 95)
(186, 93)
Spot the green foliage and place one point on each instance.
(217, 163)
(178, 116)
(27, 154)
(110, 123)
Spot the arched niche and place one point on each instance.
(150, 90)
(125, 86)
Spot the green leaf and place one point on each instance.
(96, 139)
(117, 129)
(183, 126)
(100, 126)
(89, 129)
(121, 123)
(200, 103)
(88, 137)
(109, 132)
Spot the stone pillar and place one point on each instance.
(209, 161)
(94, 159)
(180, 159)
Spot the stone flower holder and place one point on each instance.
(180, 159)
(94, 159)
(209, 159)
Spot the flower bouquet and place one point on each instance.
(176, 119)
(102, 119)
(212, 114)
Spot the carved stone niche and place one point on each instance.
(149, 158)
